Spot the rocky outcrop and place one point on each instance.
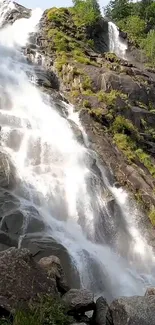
(21, 278)
(52, 266)
(79, 301)
(104, 87)
(133, 310)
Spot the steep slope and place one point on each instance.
(115, 99)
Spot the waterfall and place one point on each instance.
(55, 176)
(116, 44)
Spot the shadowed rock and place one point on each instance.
(21, 278)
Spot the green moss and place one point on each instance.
(124, 126)
(145, 159)
(90, 42)
(56, 14)
(108, 98)
(87, 83)
(60, 61)
(74, 93)
(97, 113)
(152, 215)
(88, 92)
(86, 103)
(126, 145)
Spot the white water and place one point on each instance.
(54, 174)
(116, 44)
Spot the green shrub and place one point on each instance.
(86, 103)
(124, 126)
(56, 14)
(145, 159)
(85, 12)
(152, 216)
(108, 98)
(87, 83)
(48, 311)
(126, 145)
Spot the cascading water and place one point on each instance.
(116, 44)
(55, 175)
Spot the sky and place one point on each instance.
(44, 4)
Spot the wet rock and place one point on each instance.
(7, 240)
(47, 79)
(77, 132)
(21, 278)
(41, 247)
(8, 202)
(102, 313)
(13, 223)
(133, 310)
(7, 172)
(22, 221)
(54, 269)
(79, 301)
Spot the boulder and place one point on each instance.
(26, 220)
(102, 313)
(79, 301)
(21, 278)
(133, 310)
(43, 247)
(54, 269)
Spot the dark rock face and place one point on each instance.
(125, 84)
(133, 310)
(79, 301)
(102, 313)
(21, 278)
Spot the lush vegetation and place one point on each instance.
(47, 311)
(86, 12)
(138, 20)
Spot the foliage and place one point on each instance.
(124, 126)
(86, 12)
(108, 98)
(125, 144)
(134, 26)
(118, 9)
(48, 311)
(149, 46)
(152, 216)
(56, 14)
(86, 103)
(146, 161)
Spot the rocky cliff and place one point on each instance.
(115, 99)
